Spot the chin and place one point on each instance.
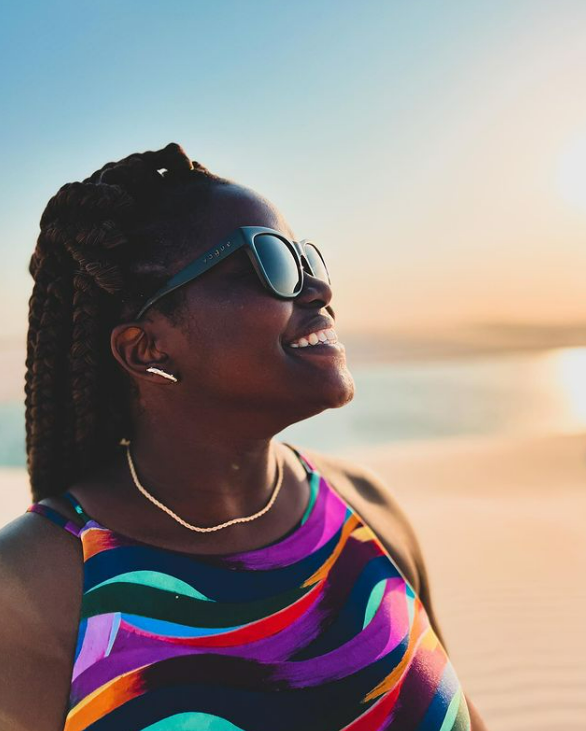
(345, 393)
(331, 395)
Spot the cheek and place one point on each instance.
(237, 337)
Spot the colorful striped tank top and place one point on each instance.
(318, 631)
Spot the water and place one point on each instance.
(525, 393)
(537, 392)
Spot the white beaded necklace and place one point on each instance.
(167, 510)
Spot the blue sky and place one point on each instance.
(421, 136)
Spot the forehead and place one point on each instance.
(232, 206)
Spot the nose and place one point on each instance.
(315, 291)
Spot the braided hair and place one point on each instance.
(106, 244)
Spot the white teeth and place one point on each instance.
(320, 337)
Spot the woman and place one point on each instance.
(180, 568)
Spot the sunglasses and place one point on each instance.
(279, 262)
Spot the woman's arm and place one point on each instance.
(476, 722)
(41, 583)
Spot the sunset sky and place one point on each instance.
(436, 150)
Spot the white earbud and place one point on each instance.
(159, 372)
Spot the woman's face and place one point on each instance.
(231, 353)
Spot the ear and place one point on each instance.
(134, 345)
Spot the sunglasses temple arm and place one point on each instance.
(204, 262)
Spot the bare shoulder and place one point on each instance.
(371, 486)
(377, 504)
(41, 574)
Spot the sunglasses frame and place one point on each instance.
(241, 237)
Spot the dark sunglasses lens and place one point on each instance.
(279, 263)
(317, 263)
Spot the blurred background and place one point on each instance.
(437, 153)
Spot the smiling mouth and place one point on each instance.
(323, 349)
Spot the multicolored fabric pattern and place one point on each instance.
(319, 631)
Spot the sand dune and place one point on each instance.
(502, 526)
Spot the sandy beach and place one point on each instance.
(501, 523)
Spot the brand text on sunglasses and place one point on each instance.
(216, 252)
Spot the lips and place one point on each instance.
(325, 349)
(313, 325)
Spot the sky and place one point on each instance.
(435, 150)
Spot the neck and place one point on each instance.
(208, 481)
